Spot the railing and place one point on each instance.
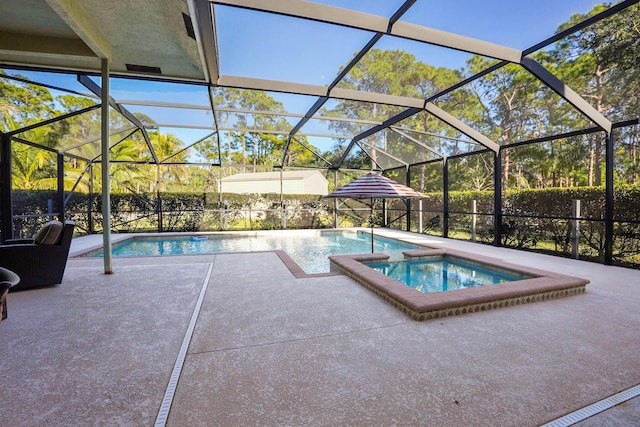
(571, 236)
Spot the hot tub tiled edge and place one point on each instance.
(544, 286)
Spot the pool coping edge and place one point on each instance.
(544, 285)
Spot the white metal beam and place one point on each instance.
(377, 24)
(462, 127)
(203, 20)
(432, 134)
(163, 104)
(271, 85)
(122, 129)
(566, 93)
(315, 90)
(376, 98)
(381, 151)
(44, 47)
(455, 41)
(314, 11)
(415, 141)
(245, 130)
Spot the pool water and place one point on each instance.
(443, 273)
(309, 250)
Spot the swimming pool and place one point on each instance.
(439, 274)
(310, 249)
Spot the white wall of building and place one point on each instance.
(293, 182)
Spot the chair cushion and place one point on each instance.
(49, 234)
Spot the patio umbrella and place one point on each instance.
(373, 186)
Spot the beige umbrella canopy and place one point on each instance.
(373, 186)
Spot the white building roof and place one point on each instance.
(272, 176)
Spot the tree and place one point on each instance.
(507, 97)
(175, 175)
(245, 109)
(587, 64)
(397, 73)
(22, 104)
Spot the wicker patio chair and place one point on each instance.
(39, 261)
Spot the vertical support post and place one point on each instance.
(50, 209)
(372, 246)
(283, 220)
(445, 198)
(159, 200)
(407, 201)
(575, 228)
(284, 215)
(220, 188)
(385, 213)
(420, 224)
(609, 200)
(474, 219)
(497, 198)
(90, 200)
(335, 200)
(225, 215)
(60, 193)
(5, 180)
(106, 183)
(222, 205)
(281, 186)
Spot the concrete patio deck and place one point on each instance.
(270, 349)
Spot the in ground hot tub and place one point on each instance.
(444, 273)
(458, 294)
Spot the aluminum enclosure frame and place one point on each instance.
(203, 16)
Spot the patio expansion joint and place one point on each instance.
(595, 408)
(167, 400)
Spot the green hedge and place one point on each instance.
(200, 212)
(522, 229)
(522, 226)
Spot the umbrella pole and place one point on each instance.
(371, 225)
